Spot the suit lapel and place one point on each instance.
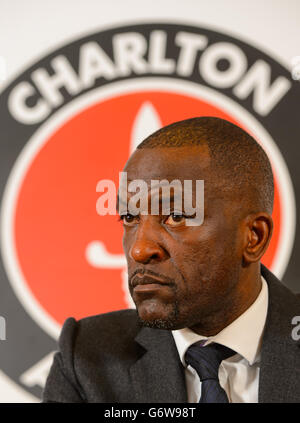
(279, 377)
(158, 376)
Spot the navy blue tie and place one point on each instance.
(206, 361)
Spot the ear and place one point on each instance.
(259, 228)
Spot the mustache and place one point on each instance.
(148, 277)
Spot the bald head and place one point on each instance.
(239, 165)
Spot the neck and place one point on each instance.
(239, 300)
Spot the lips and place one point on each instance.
(143, 278)
(147, 280)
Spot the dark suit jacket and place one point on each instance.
(110, 358)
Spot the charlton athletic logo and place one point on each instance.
(73, 119)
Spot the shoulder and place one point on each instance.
(116, 322)
(283, 312)
(93, 353)
(281, 298)
(109, 330)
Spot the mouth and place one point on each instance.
(149, 287)
(143, 279)
(145, 282)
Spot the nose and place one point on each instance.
(146, 248)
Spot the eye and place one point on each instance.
(129, 219)
(175, 219)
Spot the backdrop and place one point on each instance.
(82, 83)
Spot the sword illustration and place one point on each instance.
(146, 121)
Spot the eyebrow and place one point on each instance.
(170, 197)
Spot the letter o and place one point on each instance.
(229, 77)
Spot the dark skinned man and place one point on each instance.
(211, 323)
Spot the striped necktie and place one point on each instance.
(206, 361)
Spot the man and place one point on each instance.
(211, 323)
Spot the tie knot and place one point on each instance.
(206, 360)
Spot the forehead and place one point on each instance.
(169, 163)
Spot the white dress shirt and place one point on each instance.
(239, 374)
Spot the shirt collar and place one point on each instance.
(243, 335)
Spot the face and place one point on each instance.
(180, 275)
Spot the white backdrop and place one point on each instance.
(31, 28)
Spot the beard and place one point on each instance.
(169, 323)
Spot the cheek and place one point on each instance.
(192, 262)
(205, 256)
(196, 248)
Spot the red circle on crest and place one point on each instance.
(56, 215)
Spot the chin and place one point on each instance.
(157, 324)
(164, 319)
